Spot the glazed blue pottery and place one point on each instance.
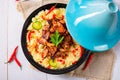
(94, 24)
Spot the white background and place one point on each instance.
(11, 22)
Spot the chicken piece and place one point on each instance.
(58, 54)
(66, 46)
(49, 22)
(57, 26)
(62, 50)
(42, 41)
(60, 28)
(52, 50)
(68, 38)
(61, 54)
(62, 21)
(46, 34)
(45, 53)
(49, 44)
(67, 33)
(53, 28)
(46, 27)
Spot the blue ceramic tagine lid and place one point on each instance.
(94, 24)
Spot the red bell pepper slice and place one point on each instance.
(88, 61)
(81, 51)
(29, 35)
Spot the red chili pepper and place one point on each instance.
(18, 62)
(74, 62)
(48, 67)
(40, 61)
(63, 62)
(82, 50)
(74, 54)
(42, 55)
(54, 15)
(16, 0)
(62, 16)
(51, 9)
(88, 61)
(59, 60)
(13, 54)
(76, 49)
(73, 51)
(13, 57)
(29, 35)
(43, 17)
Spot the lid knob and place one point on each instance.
(113, 7)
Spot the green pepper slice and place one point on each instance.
(37, 25)
(53, 63)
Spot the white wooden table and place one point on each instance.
(11, 23)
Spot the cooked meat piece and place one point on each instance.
(49, 22)
(64, 55)
(46, 34)
(68, 38)
(52, 50)
(52, 30)
(66, 46)
(49, 44)
(60, 28)
(54, 22)
(45, 52)
(58, 54)
(62, 21)
(62, 50)
(46, 27)
(67, 33)
(42, 41)
(61, 54)
(57, 26)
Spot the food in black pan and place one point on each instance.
(49, 42)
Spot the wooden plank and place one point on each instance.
(3, 39)
(116, 70)
(62, 77)
(15, 22)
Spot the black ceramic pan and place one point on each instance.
(29, 57)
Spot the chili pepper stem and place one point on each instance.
(6, 62)
(21, 68)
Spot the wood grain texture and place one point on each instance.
(62, 77)
(3, 38)
(15, 24)
(11, 25)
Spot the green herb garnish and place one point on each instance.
(56, 38)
